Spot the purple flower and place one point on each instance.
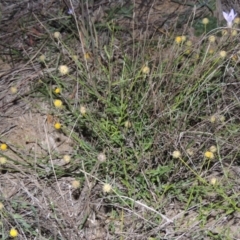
(70, 11)
(229, 17)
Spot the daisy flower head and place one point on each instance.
(13, 233)
(209, 155)
(229, 17)
(58, 103)
(57, 125)
(3, 146)
(178, 39)
(57, 90)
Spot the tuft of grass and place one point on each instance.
(142, 120)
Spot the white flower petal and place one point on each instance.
(225, 15)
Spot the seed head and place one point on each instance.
(188, 43)
(13, 90)
(211, 39)
(205, 21)
(83, 110)
(127, 124)
(213, 149)
(223, 54)
(3, 160)
(75, 184)
(222, 118)
(101, 157)
(176, 154)
(213, 181)
(145, 69)
(107, 188)
(67, 158)
(212, 119)
(63, 69)
(42, 58)
(56, 35)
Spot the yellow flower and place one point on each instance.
(13, 233)
(145, 69)
(178, 39)
(57, 103)
(176, 154)
(107, 188)
(3, 160)
(223, 54)
(75, 184)
(83, 110)
(211, 39)
(57, 35)
(3, 146)
(57, 125)
(205, 21)
(67, 158)
(101, 157)
(213, 149)
(57, 90)
(63, 69)
(209, 155)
